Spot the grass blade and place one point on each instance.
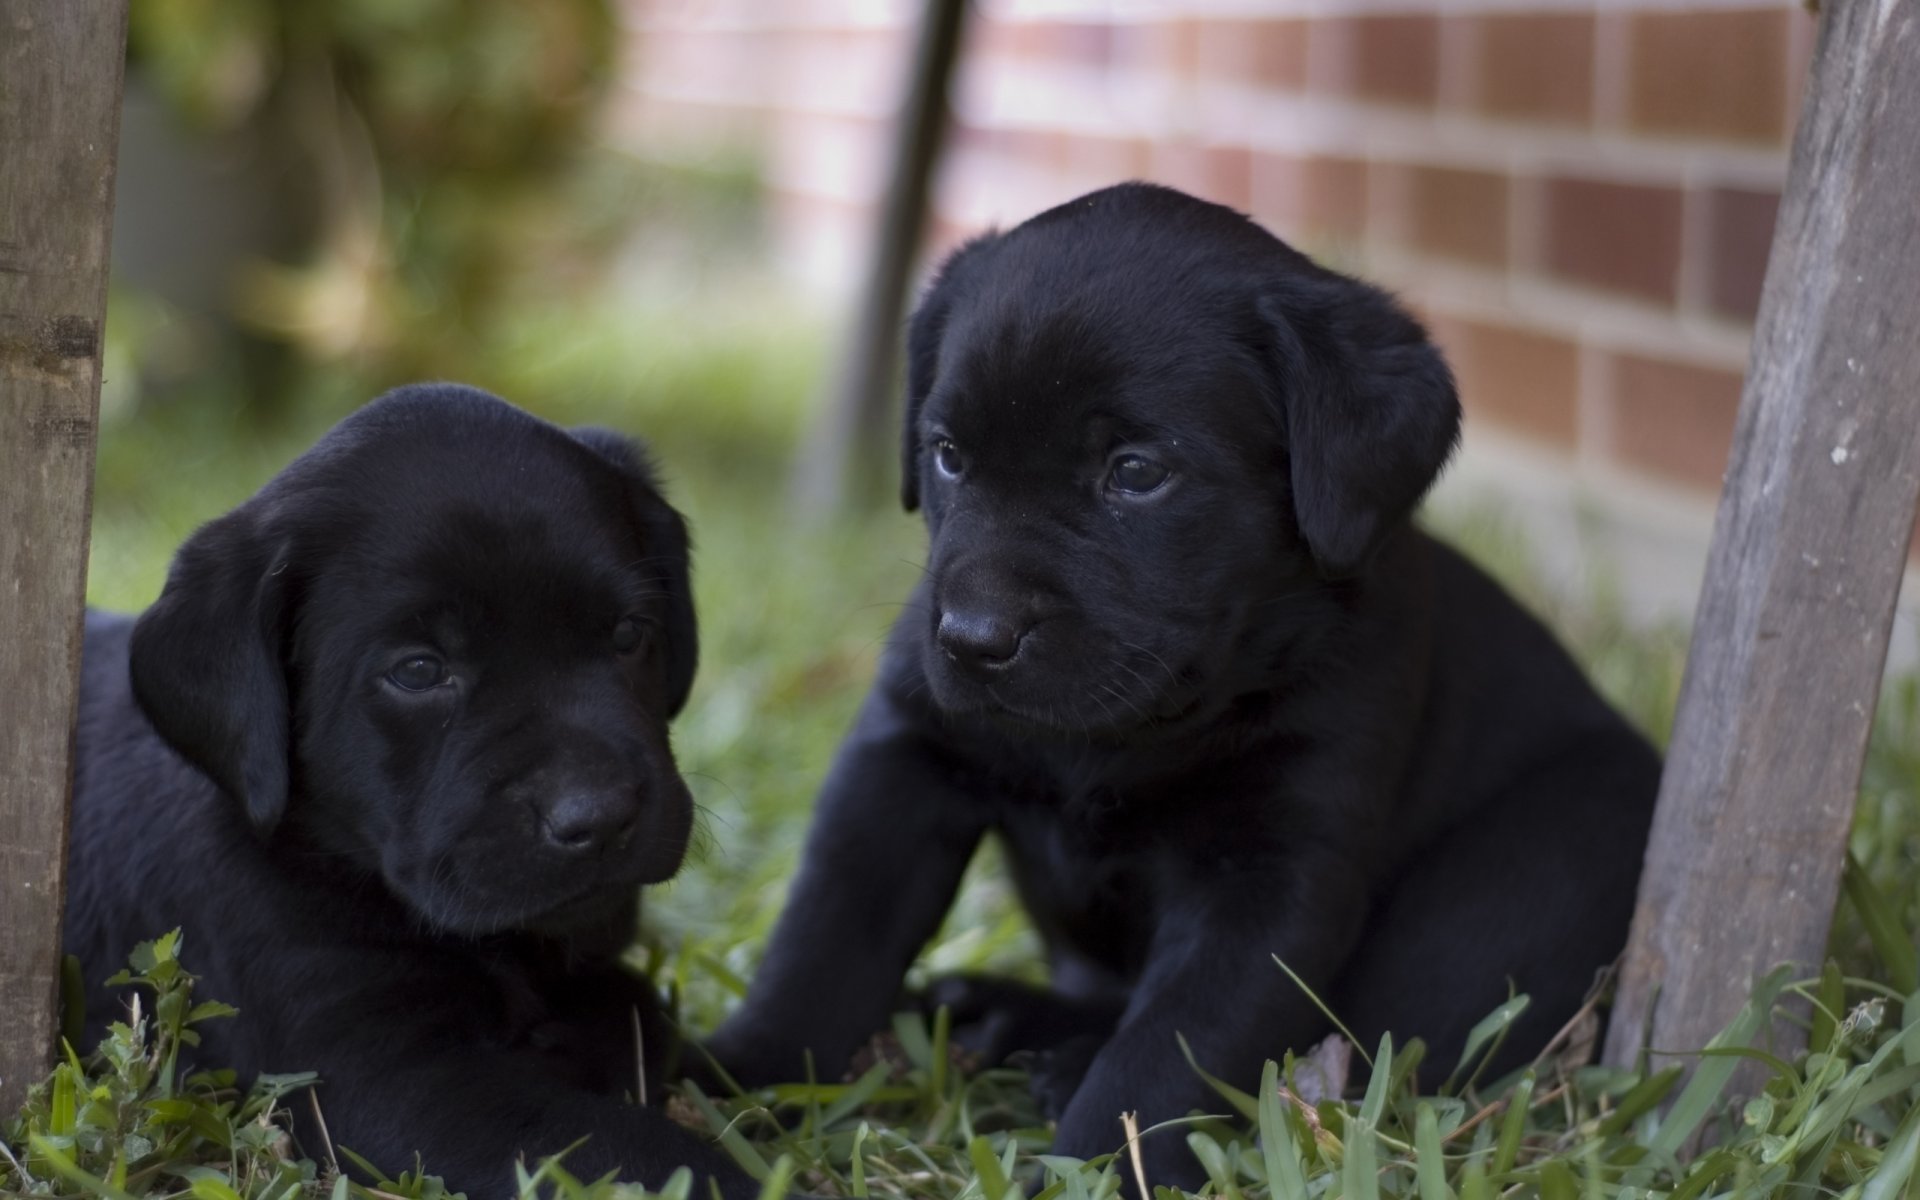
(1284, 1179)
(1891, 1178)
(1359, 1174)
(1429, 1164)
(1882, 922)
(1321, 1005)
(1641, 1099)
(1246, 1104)
(1829, 1006)
(1375, 1101)
(1702, 1093)
(993, 1181)
(1494, 1024)
(1512, 1125)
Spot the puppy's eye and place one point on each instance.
(946, 456)
(421, 673)
(628, 634)
(1136, 474)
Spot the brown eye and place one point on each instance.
(418, 673)
(1136, 475)
(627, 635)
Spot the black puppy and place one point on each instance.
(391, 747)
(1180, 648)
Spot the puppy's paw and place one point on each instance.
(728, 1062)
(995, 1017)
(989, 1016)
(1054, 1075)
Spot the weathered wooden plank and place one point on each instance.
(849, 446)
(61, 64)
(1808, 546)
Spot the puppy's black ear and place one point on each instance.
(208, 661)
(925, 331)
(1369, 408)
(668, 547)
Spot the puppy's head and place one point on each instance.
(443, 644)
(1151, 440)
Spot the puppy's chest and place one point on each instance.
(1090, 862)
(1096, 854)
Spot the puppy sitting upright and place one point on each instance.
(391, 747)
(1180, 648)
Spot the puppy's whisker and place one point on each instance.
(1137, 676)
(733, 793)
(1157, 660)
(1128, 701)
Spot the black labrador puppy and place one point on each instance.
(1180, 648)
(391, 747)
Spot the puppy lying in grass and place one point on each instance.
(391, 747)
(1179, 647)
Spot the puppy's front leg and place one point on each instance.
(1211, 979)
(891, 835)
(408, 1041)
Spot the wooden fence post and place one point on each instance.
(1808, 548)
(61, 67)
(845, 452)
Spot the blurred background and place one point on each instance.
(658, 214)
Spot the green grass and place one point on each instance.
(793, 619)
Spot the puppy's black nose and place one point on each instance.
(979, 643)
(587, 821)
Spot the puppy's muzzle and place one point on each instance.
(980, 644)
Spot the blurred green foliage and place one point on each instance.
(433, 161)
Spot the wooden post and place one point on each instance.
(61, 66)
(1808, 548)
(843, 453)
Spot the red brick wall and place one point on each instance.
(1578, 196)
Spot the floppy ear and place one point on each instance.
(668, 545)
(1369, 410)
(925, 331)
(208, 661)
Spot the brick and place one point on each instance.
(1719, 74)
(1535, 67)
(1230, 176)
(1397, 58)
(1333, 195)
(1514, 379)
(991, 38)
(1301, 198)
(1276, 201)
(1169, 47)
(1385, 59)
(966, 137)
(944, 235)
(1458, 214)
(1104, 160)
(1033, 147)
(1261, 53)
(1802, 30)
(1085, 43)
(1614, 236)
(1673, 419)
(1217, 173)
(1739, 237)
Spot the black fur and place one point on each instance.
(422, 895)
(1251, 712)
